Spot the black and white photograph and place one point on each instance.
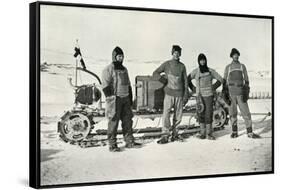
(137, 94)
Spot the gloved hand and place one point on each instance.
(163, 79)
(131, 95)
(216, 85)
(108, 91)
(193, 89)
(190, 84)
(225, 95)
(185, 100)
(246, 92)
(186, 96)
(200, 107)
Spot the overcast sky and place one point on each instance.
(148, 36)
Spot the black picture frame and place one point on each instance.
(34, 91)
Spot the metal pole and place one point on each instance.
(76, 65)
(77, 45)
(76, 72)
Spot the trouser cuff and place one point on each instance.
(234, 128)
(202, 129)
(249, 130)
(209, 129)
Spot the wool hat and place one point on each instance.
(176, 48)
(234, 51)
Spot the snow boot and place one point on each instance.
(253, 136)
(202, 134)
(133, 145)
(234, 133)
(163, 140)
(176, 137)
(209, 131)
(114, 148)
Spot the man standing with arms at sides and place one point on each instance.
(237, 82)
(173, 74)
(118, 92)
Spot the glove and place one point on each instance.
(200, 107)
(186, 96)
(108, 91)
(185, 100)
(246, 92)
(131, 95)
(163, 80)
(192, 87)
(216, 85)
(225, 95)
(193, 90)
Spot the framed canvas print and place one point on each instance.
(123, 94)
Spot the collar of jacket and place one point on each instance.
(235, 62)
(175, 61)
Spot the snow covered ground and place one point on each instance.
(63, 163)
